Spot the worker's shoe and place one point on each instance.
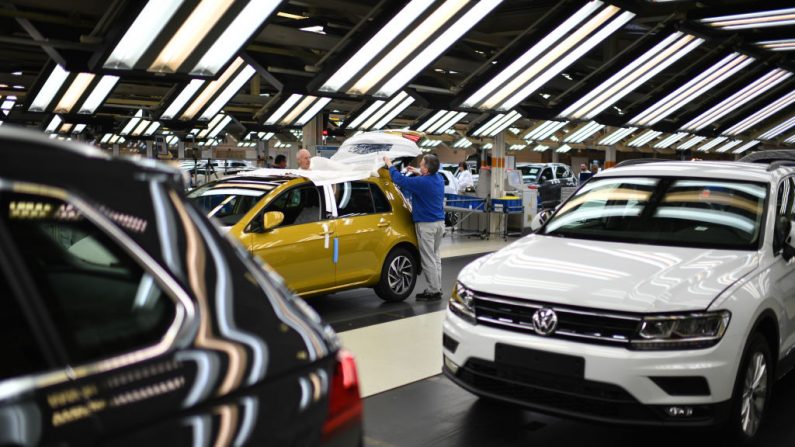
(429, 296)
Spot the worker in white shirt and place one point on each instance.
(464, 178)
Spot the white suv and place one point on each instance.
(658, 294)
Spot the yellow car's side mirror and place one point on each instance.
(272, 219)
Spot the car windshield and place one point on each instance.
(228, 203)
(530, 173)
(666, 211)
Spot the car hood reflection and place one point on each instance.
(609, 275)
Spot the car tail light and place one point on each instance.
(345, 404)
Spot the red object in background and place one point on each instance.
(345, 403)
(412, 137)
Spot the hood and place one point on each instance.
(609, 275)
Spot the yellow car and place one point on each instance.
(321, 239)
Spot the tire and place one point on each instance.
(398, 275)
(752, 392)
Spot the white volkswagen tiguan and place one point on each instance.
(658, 294)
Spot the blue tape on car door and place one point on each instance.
(336, 250)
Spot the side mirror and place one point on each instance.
(540, 219)
(788, 251)
(272, 219)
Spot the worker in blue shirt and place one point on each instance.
(427, 211)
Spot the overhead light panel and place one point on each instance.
(48, 91)
(779, 129)
(762, 114)
(745, 147)
(152, 128)
(728, 146)
(712, 143)
(690, 143)
(463, 143)
(737, 100)
(430, 143)
(640, 70)
(497, 124)
(585, 131)
(54, 123)
(571, 40)
(184, 96)
(407, 44)
(74, 92)
(132, 123)
(228, 92)
(617, 135)
(540, 148)
(441, 121)
(78, 128)
(517, 147)
(704, 82)
(752, 20)
(790, 140)
(210, 34)
(544, 130)
(297, 110)
(563, 149)
(670, 140)
(379, 113)
(98, 94)
(778, 45)
(214, 131)
(644, 138)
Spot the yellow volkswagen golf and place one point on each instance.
(321, 237)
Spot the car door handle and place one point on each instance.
(383, 223)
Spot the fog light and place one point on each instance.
(678, 412)
(450, 365)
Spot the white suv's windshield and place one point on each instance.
(667, 211)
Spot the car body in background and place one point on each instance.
(538, 173)
(129, 319)
(327, 237)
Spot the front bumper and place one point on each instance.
(616, 386)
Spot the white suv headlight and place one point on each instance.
(690, 331)
(461, 303)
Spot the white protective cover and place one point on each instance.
(358, 158)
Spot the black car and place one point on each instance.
(128, 319)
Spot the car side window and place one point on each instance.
(546, 174)
(784, 208)
(300, 205)
(353, 198)
(380, 200)
(21, 354)
(562, 172)
(101, 301)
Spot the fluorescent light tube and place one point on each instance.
(152, 128)
(694, 88)
(49, 89)
(78, 128)
(146, 27)
(277, 115)
(374, 46)
(235, 35)
(391, 115)
(745, 147)
(98, 95)
(449, 123)
(220, 126)
(728, 146)
(778, 45)
(762, 114)
(761, 19)
(579, 135)
(114, 139)
(54, 123)
(532, 53)
(229, 91)
(712, 143)
(210, 90)
(313, 111)
(391, 104)
(433, 119)
(184, 96)
(690, 143)
(105, 138)
(644, 138)
(305, 102)
(488, 124)
(364, 115)
(403, 49)
(140, 127)
(563, 149)
(503, 124)
(761, 85)
(670, 139)
(778, 129)
(540, 148)
(192, 31)
(438, 46)
(617, 135)
(74, 92)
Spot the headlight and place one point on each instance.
(461, 303)
(691, 331)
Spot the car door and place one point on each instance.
(783, 272)
(301, 248)
(361, 230)
(111, 320)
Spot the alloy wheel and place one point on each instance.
(754, 394)
(400, 274)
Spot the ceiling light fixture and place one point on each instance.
(640, 70)
(544, 130)
(728, 146)
(441, 121)
(690, 143)
(555, 52)
(617, 135)
(694, 88)
(644, 138)
(778, 129)
(761, 19)
(670, 139)
(739, 99)
(762, 114)
(540, 148)
(563, 149)
(712, 143)
(745, 147)
(778, 45)
(585, 131)
(497, 124)
(379, 113)
(49, 89)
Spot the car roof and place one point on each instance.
(727, 170)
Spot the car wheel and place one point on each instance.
(398, 275)
(752, 391)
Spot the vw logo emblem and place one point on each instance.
(545, 321)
